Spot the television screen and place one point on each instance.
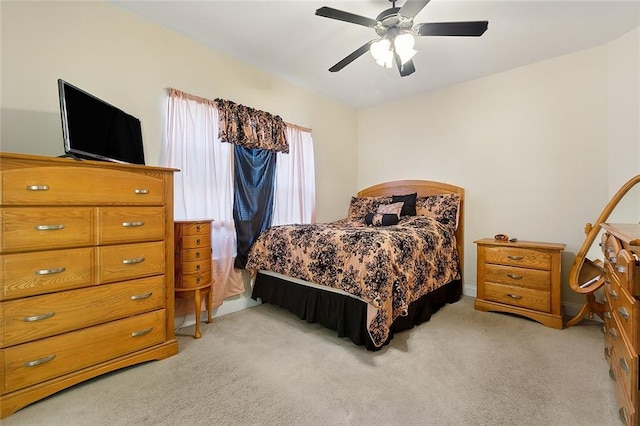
(94, 129)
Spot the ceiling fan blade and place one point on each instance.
(469, 29)
(411, 8)
(329, 12)
(351, 57)
(405, 69)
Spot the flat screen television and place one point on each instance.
(94, 129)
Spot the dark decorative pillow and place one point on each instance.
(381, 219)
(409, 200)
(444, 208)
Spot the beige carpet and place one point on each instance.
(265, 366)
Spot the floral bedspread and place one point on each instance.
(387, 267)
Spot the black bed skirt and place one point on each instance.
(343, 313)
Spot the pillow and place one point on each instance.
(443, 207)
(360, 206)
(394, 208)
(381, 219)
(409, 200)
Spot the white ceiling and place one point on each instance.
(285, 38)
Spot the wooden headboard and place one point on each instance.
(423, 188)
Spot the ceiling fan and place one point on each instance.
(396, 30)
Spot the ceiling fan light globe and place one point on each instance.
(380, 49)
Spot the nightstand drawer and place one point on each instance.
(516, 256)
(517, 296)
(518, 277)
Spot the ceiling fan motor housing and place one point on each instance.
(390, 18)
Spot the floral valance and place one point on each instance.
(251, 128)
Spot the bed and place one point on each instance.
(389, 265)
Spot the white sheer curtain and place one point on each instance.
(203, 189)
(295, 186)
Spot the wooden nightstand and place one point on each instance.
(521, 278)
(193, 265)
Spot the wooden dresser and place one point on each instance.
(86, 258)
(521, 278)
(193, 265)
(621, 248)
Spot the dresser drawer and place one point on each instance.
(626, 270)
(518, 277)
(623, 307)
(27, 229)
(610, 247)
(36, 317)
(195, 241)
(28, 274)
(516, 256)
(124, 262)
(193, 255)
(196, 228)
(34, 362)
(130, 224)
(518, 296)
(80, 186)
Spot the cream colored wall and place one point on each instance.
(531, 146)
(130, 62)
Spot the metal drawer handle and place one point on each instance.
(142, 332)
(515, 276)
(607, 315)
(514, 296)
(141, 191)
(623, 312)
(38, 317)
(50, 271)
(612, 374)
(512, 257)
(624, 365)
(607, 352)
(37, 187)
(197, 255)
(622, 413)
(198, 241)
(197, 280)
(613, 333)
(621, 269)
(141, 296)
(132, 224)
(39, 361)
(133, 261)
(613, 294)
(197, 228)
(613, 260)
(48, 227)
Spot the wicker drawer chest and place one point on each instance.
(521, 278)
(86, 260)
(621, 247)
